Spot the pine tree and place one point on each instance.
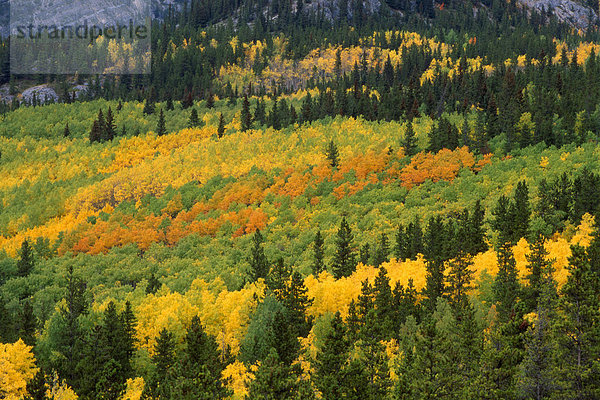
(170, 106)
(274, 380)
(343, 263)
(246, 116)
(161, 129)
(260, 113)
(506, 284)
(27, 323)
(579, 339)
(383, 250)
(210, 100)
(153, 284)
(67, 131)
(187, 102)
(521, 210)
(295, 299)
(95, 134)
(332, 155)
(306, 112)
(460, 279)
(26, 260)
(199, 371)
(164, 361)
(537, 264)
(221, 127)
(318, 264)
(148, 107)
(110, 129)
(193, 122)
(331, 361)
(259, 265)
(409, 142)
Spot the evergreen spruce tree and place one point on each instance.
(210, 100)
(153, 284)
(164, 362)
(221, 127)
(259, 265)
(169, 105)
(409, 142)
(246, 115)
(26, 260)
(330, 362)
(67, 131)
(579, 328)
(383, 250)
(295, 299)
(318, 264)
(344, 262)
(110, 129)
(274, 380)
(193, 122)
(537, 264)
(521, 210)
(161, 129)
(95, 134)
(364, 254)
(148, 107)
(27, 323)
(6, 323)
(506, 284)
(332, 155)
(307, 106)
(260, 113)
(198, 373)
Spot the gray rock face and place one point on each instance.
(42, 93)
(331, 9)
(566, 11)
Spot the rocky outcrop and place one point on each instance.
(43, 93)
(566, 11)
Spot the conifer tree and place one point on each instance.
(274, 380)
(259, 266)
(579, 328)
(306, 112)
(26, 260)
(383, 250)
(153, 284)
(344, 262)
(506, 284)
(161, 129)
(260, 113)
(193, 122)
(221, 127)
(27, 323)
(169, 105)
(148, 107)
(164, 361)
(318, 264)
(109, 126)
(332, 155)
(67, 131)
(521, 210)
(210, 100)
(409, 142)
(246, 116)
(331, 361)
(295, 299)
(537, 265)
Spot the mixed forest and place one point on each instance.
(398, 203)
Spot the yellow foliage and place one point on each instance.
(17, 368)
(59, 390)
(583, 236)
(163, 310)
(238, 375)
(134, 389)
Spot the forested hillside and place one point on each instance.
(309, 200)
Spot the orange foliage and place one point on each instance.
(444, 165)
